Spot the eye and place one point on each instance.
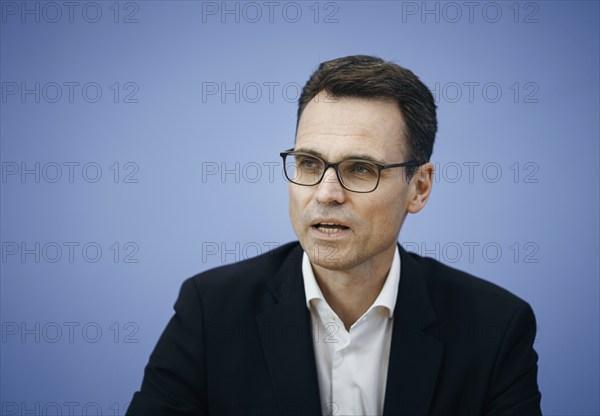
(307, 162)
(361, 168)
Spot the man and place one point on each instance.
(347, 322)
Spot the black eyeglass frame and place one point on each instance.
(380, 167)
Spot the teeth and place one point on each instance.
(329, 230)
(330, 227)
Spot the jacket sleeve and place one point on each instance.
(174, 381)
(513, 389)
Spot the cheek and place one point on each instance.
(386, 217)
(297, 205)
(292, 206)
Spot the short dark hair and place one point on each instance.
(369, 77)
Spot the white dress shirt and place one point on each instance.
(352, 365)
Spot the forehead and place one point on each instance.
(341, 127)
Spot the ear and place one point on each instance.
(420, 188)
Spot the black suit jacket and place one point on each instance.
(240, 343)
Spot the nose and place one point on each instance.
(329, 190)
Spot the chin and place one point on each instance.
(328, 256)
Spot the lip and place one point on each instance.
(329, 221)
(329, 236)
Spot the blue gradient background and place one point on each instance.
(174, 215)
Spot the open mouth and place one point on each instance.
(330, 227)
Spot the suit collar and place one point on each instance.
(285, 283)
(386, 298)
(413, 304)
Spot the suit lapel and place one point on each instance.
(285, 333)
(415, 356)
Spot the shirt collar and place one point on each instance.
(386, 298)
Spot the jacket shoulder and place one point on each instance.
(455, 292)
(247, 273)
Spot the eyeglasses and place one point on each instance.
(355, 175)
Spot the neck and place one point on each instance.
(351, 292)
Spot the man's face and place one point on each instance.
(369, 223)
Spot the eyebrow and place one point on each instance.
(352, 156)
